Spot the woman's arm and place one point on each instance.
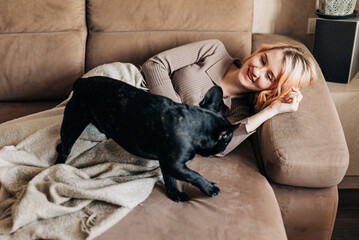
(289, 103)
(159, 69)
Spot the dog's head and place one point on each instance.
(218, 130)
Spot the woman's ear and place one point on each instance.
(213, 99)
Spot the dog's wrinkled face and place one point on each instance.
(218, 141)
(223, 140)
(221, 129)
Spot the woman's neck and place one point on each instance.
(230, 84)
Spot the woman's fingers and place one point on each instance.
(294, 96)
(298, 93)
(289, 102)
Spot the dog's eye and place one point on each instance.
(224, 136)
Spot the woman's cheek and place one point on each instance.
(262, 85)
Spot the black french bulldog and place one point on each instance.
(149, 126)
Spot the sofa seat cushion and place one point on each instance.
(12, 110)
(246, 207)
(306, 148)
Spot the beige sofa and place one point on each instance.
(279, 184)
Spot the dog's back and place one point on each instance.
(143, 123)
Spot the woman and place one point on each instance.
(273, 74)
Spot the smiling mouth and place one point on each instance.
(250, 76)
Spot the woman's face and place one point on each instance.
(261, 71)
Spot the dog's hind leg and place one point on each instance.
(172, 190)
(76, 118)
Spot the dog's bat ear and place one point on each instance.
(213, 99)
(224, 133)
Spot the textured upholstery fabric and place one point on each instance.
(306, 148)
(44, 43)
(134, 30)
(308, 213)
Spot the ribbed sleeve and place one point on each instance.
(158, 69)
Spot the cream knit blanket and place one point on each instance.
(99, 184)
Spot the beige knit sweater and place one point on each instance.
(187, 72)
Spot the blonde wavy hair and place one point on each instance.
(298, 71)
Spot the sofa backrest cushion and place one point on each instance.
(134, 30)
(42, 48)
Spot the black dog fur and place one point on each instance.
(149, 126)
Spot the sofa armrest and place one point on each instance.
(306, 148)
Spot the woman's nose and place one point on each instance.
(258, 71)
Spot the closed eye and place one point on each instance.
(270, 74)
(263, 61)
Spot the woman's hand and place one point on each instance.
(288, 103)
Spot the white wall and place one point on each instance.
(288, 17)
(265, 14)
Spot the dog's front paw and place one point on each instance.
(177, 196)
(212, 190)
